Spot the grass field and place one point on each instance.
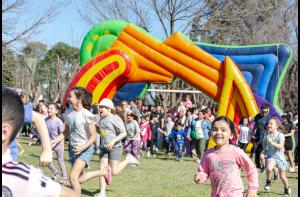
(160, 176)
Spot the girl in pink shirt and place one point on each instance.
(223, 163)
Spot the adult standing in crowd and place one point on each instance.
(260, 120)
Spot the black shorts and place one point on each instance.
(288, 144)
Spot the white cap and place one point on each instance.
(107, 103)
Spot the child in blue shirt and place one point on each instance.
(178, 136)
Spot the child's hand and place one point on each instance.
(110, 145)
(251, 194)
(199, 178)
(46, 158)
(78, 149)
(53, 143)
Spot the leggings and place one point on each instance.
(59, 150)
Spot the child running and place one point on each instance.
(222, 164)
(112, 131)
(133, 135)
(56, 129)
(273, 144)
(18, 178)
(177, 137)
(80, 125)
(245, 131)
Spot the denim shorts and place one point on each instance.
(85, 155)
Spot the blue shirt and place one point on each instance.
(178, 136)
(13, 147)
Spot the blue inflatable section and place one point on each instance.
(260, 65)
(128, 92)
(269, 62)
(273, 58)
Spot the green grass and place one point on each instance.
(160, 176)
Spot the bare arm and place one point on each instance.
(290, 133)
(39, 122)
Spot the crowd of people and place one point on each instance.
(111, 129)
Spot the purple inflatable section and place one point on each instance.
(260, 101)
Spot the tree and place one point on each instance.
(16, 13)
(237, 22)
(56, 70)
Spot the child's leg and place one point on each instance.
(289, 154)
(135, 148)
(59, 150)
(283, 178)
(103, 165)
(270, 166)
(74, 175)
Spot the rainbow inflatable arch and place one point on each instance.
(120, 59)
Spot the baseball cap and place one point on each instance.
(106, 103)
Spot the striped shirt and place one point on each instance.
(19, 179)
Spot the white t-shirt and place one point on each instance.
(19, 179)
(78, 126)
(244, 134)
(199, 130)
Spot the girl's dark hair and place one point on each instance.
(232, 127)
(243, 118)
(12, 111)
(286, 116)
(84, 96)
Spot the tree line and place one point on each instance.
(37, 69)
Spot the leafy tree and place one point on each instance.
(56, 69)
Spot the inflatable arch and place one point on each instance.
(119, 59)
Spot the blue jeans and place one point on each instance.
(178, 150)
(168, 144)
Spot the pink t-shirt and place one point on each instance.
(224, 170)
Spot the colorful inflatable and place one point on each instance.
(119, 59)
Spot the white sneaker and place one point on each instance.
(100, 195)
(148, 154)
(132, 159)
(291, 170)
(198, 160)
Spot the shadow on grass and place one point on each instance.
(92, 193)
(275, 193)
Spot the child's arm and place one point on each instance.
(57, 140)
(39, 122)
(202, 173)
(244, 161)
(116, 139)
(279, 145)
(91, 140)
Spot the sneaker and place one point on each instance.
(292, 170)
(64, 181)
(55, 176)
(100, 195)
(108, 176)
(268, 186)
(132, 159)
(198, 161)
(288, 191)
(148, 154)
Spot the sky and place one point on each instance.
(66, 27)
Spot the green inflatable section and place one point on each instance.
(101, 37)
